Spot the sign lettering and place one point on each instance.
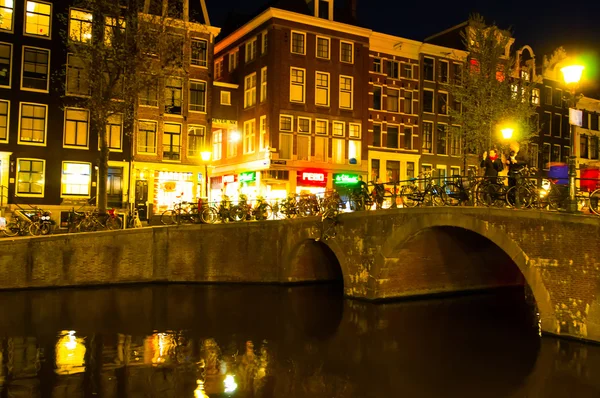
(313, 176)
(249, 176)
(345, 178)
(224, 121)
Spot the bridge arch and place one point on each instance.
(493, 233)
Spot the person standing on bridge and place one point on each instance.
(492, 163)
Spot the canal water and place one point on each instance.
(186, 341)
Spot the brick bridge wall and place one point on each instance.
(382, 255)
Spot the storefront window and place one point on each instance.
(173, 187)
(76, 178)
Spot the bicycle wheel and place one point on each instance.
(523, 193)
(554, 199)
(35, 228)
(209, 215)
(168, 217)
(113, 223)
(13, 228)
(485, 194)
(434, 197)
(594, 199)
(237, 213)
(409, 195)
(451, 194)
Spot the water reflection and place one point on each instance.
(222, 341)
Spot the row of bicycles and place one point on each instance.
(33, 221)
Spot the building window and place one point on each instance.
(322, 89)
(303, 148)
(33, 123)
(285, 146)
(263, 84)
(593, 147)
(392, 170)
(77, 78)
(346, 83)
(393, 100)
(535, 96)
(285, 122)
(442, 106)
(428, 69)
(338, 129)
(114, 31)
(262, 125)
(377, 135)
(375, 165)
(297, 85)
(225, 97)
(393, 69)
(546, 157)
(173, 95)
(377, 97)
(377, 65)
(80, 25)
(149, 94)
(30, 177)
(392, 137)
(218, 69)
(36, 63)
(556, 124)
(557, 101)
(321, 127)
(354, 130)
(321, 148)
(408, 98)
(594, 121)
(250, 90)
(406, 71)
(583, 146)
(566, 154)
(76, 127)
(566, 127)
(547, 95)
(233, 59)
(76, 179)
(339, 151)
(196, 140)
(298, 43)
(197, 96)
(443, 66)
(346, 52)
(146, 142)
(408, 137)
(250, 50)
(249, 135)
(232, 144)
(585, 120)
(442, 139)
(354, 148)
(427, 145)
(37, 18)
(455, 141)
(5, 64)
(556, 153)
(6, 14)
(410, 170)
(533, 155)
(172, 141)
(217, 144)
(547, 123)
(323, 47)
(428, 101)
(457, 71)
(199, 52)
(265, 43)
(4, 107)
(303, 125)
(114, 131)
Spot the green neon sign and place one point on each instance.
(345, 179)
(248, 176)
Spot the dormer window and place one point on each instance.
(324, 9)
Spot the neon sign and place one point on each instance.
(249, 176)
(314, 177)
(345, 179)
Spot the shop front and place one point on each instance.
(344, 184)
(311, 182)
(172, 187)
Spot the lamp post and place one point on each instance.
(572, 75)
(507, 133)
(205, 159)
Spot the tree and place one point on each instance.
(117, 50)
(491, 90)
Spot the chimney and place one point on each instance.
(353, 8)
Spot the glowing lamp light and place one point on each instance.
(199, 391)
(572, 73)
(235, 136)
(205, 156)
(507, 133)
(230, 384)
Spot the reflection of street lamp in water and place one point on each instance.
(205, 158)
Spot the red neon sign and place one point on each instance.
(312, 177)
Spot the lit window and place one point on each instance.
(114, 31)
(36, 63)
(250, 90)
(146, 142)
(197, 96)
(322, 89)
(172, 141)
(297, 85)
(33, 124)
(196, 141)
(338, 129)
(303, 147)
(30, 177)
(4, 107)
(265, 43)
(173, 95)
(5, 64)
(321, 127)
(218, 69)
(354, 148)
(80, 25)
(37, 18)
(114, 131)
(76, 179)
(217, 143)
(249, 135)
(76, 127)
(225, 97)
(321, 146)
(535, 96)
(346, 52)
(263, 132)
(285, 122)
(6, 14)
(77, 77)
(354, 130)
(322, 47)
(232, 143)
(346, 92)
(339, 151)
(263, 84)
(285, 146)
(298, 43)
(250, 53)
(199, 55)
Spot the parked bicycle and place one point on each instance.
(181, 212)
(430, 195)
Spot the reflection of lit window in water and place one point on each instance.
(230, 384)
(70, 353)
(199, 391)
(162, 344)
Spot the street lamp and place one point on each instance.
(235, 136)
(572, 75)
(507, 133)
(205, 158)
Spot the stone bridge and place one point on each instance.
(378, 255)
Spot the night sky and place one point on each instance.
(574, 24)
